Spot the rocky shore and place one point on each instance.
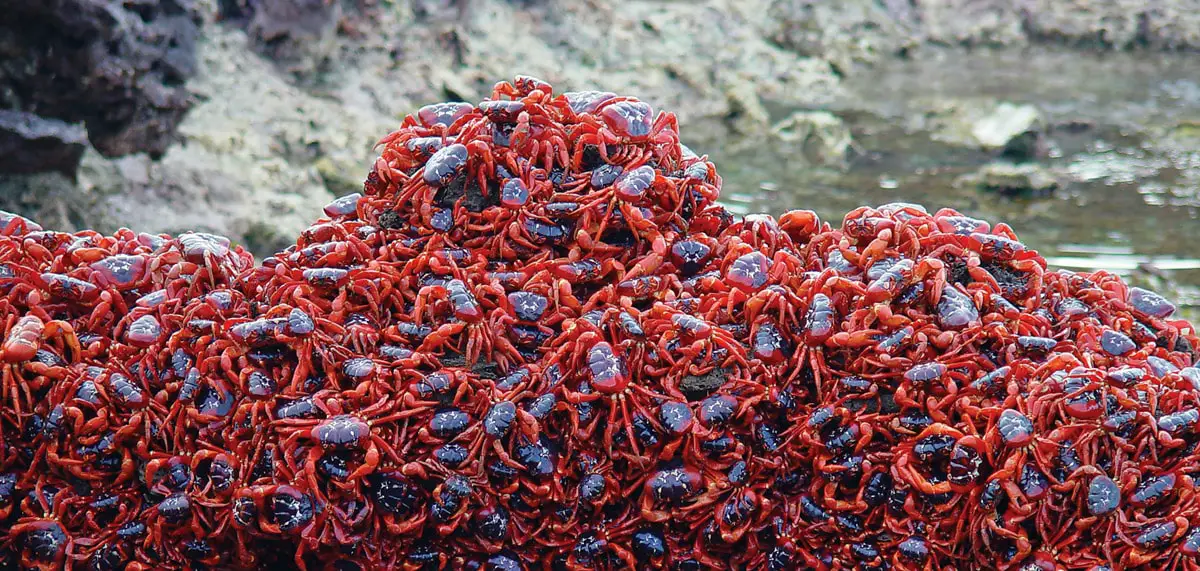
(243, 117)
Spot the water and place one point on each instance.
(1125, 139)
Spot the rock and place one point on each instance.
(1116, 24)
(30, 143)
(705, 62)
(844, 33)
(263, 150)
(118, 67)
(339, 178)
(1105, 23)
(261, 160)
(1005, 122)
(297, 34)
(1172, 25)
(971, 22)
(983, 123)
(823, 137)
(1185, 131)
(697, 387)
(855, 31)
(1013, 180)
(1026, 146)
(746, 115)
(51, 199)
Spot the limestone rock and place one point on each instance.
(296, 34)
(981, 123)
(971, 22)
(1013, 180)
(822, 137)
(844, 33)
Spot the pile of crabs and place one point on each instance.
(536, 341)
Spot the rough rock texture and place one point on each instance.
(270, 142)
(259, 160)
(979, 123)
(845, 33)
(30, 143)
(822, 137)
(1013, 180)
(1122, 24)
(296, 34)
(971, 22)
(292, 94)
(708, 61)
(119, 67)
(857, 31)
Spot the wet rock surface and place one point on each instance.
(978, 122)
(1013, 179)
(821, 137)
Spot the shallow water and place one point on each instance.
(1131, 198)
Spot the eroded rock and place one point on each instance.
(822, 137)
(296, 34)
(30, 143)
(1013, 179)
(982, 123)
(853, 32)
(845, 33)
(118, 67)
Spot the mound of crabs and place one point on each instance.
(536, 340)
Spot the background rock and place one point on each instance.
(1005, 121)
(1122, 24)
(272, 141)
(30, 143)
(978, 122)
(119, 67)
(971, 22)
(845, 33)
(1013, 180)
(296, 34)
(252, 162)
(852, 32)
(291, 95)
(821, 137)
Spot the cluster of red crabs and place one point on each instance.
(536, 341)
